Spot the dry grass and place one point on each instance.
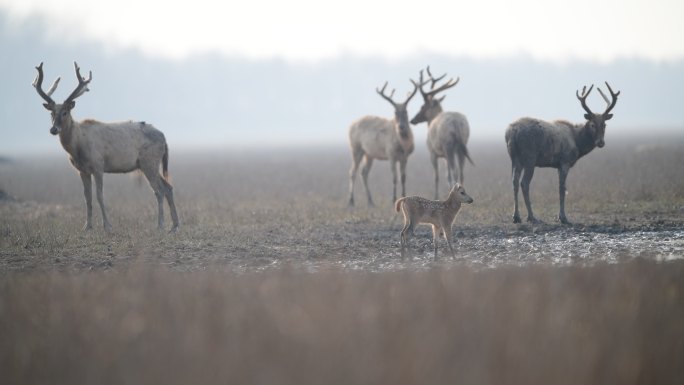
(606, 324)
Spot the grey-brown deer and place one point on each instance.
(374, 137)
(439, 214)
(448, 131)
(96, 148)
(559, 144)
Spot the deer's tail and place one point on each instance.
(464, 150)
(165, 163)
(397, 204)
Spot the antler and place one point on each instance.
(583, 98)
(38, 85)
(410, 95)
(82, 85)
(432, 79)
(433, 91)
(613, 97)
(381, 92)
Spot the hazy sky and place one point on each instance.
(597, 30)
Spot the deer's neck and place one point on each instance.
(452, 201)
(404, 136)
(583, 139)
(434, 112)
(68, 136)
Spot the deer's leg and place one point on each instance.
(435, 167)
(357, 155)
(516, 181)
(88, 193)
(525, 184)
(408, 228)
(152, 174)
(461, 165)
(393, 167)
(168, 192)
(446, 229)
(562, 176)
(451, 167)
(155, 183)
(402, 170)
(367, 163)
(435, 237)
(100, 200)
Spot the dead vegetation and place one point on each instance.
(533, 325)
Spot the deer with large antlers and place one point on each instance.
(559, 144)
(448, 132)
(96, 148)
(374, 137)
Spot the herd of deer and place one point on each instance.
(96, 148)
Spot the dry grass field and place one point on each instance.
(272, 279)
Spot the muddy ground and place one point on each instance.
(256, 209)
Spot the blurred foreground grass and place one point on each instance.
(536, 325)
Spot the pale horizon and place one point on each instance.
(210, 92)
(310, 30)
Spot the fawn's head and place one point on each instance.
(458, 192)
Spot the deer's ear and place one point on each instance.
(71, 105)
(607, 116)
(47, 106)
(441, 99)
(587, 116)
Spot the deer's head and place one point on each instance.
(61, 113)
(432, 105)
(401, 121)
(459, 194)
(596, 123)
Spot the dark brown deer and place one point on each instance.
(559, 144)
(96, 148)
(448, 132)
(373, 137)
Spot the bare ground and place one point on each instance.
(245, 210)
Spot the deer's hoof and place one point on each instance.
(516, 218)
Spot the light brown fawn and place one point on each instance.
(440, 214)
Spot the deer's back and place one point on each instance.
(540, 143)
(423, 210)
(375, 135)
(122, 146)
(447, 129)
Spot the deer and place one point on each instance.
(448, 132)
(439, 214)
(558, 144)
(95, 148)
(374, 137)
